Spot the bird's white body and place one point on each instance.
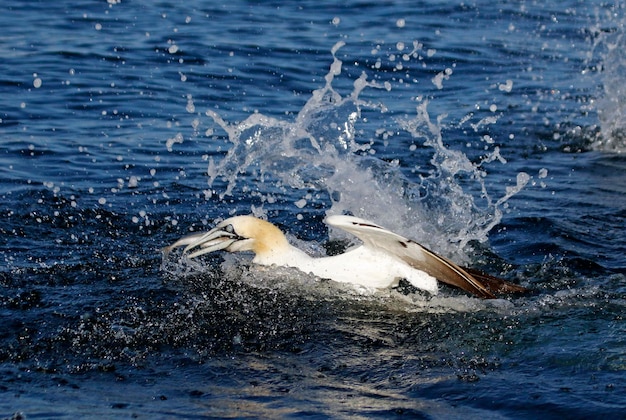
(380, 262)
(364, 266)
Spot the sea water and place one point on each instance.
(490, 132)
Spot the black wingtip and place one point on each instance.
(495, 285)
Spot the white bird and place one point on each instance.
(380, 262)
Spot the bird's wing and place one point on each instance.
(411, 253)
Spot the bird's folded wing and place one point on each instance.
(422, 258)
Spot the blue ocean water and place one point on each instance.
(492, 132)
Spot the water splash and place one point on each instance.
(609, 44)
(323, 159)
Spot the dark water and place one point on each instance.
(492, 132)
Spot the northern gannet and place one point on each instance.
(380, 262)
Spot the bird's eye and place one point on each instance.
(229, 229)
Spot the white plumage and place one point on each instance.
(381, 261)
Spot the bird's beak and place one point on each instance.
(214, 240)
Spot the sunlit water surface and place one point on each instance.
(492, 132)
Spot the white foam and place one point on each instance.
(610, 48)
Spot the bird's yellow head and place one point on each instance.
(254, 235)
(239, 233)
